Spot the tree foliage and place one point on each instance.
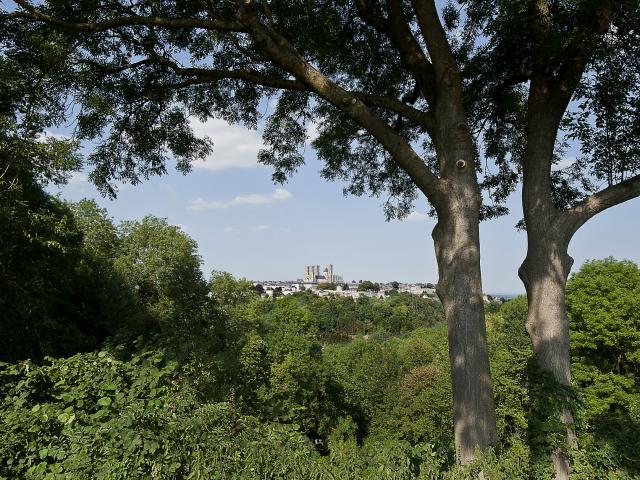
(162, 266)
(142, 79)
(368, 285)
(602, 302)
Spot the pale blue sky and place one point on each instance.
(246, 225)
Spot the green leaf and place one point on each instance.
(67, 397)
(104, 402)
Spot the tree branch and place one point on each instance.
(549, 96)
(372, 15)
(165, 22)
(611, 196)
(512, 81)
(250, 76)
(307, 78)
(395, 27)
(434, 36)
(419, 117)
(205, 75)
(283, 54)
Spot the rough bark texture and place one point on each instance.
(546, 267)
(549, 231)
(544, 274)
(457, 244)
(456, 239)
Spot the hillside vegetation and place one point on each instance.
(122, 361)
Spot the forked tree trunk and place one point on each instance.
(544, 274)
(457, 244)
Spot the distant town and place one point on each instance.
(326, 283)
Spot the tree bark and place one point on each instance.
(457, 244)
(544, 273)
(546, 267)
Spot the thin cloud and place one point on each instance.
(261, 228)
(259, 199)
(49, 134)
(279, 195)
(230, 230)
(313, 132)
(77, 182)
(234, 146)
(564, 163)
(200, 204)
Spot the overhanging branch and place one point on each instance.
(434, 36)
(202, 76)
(305, 78)
(592, 24)
(419, 117)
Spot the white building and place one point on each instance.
(312, 275)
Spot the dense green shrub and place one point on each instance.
(95, 416)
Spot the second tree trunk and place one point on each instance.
(544, 273)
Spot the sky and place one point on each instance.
(246, 225)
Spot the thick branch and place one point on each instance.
(434, 36)
(543, 123)
(512, 81)
(371, 14)
(128, 21)
(205, 75)
(449, 112)
(397, 30)
(413, 114)
(284, 55)
(611, 196)
(549, 96)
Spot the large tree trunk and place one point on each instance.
(457, 243)
(545, 270)
(544, 274)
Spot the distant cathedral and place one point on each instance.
(312, 275)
